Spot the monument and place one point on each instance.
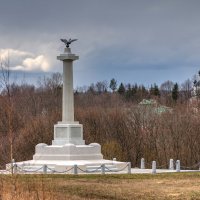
(68, 147)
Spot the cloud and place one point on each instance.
(22, 60)
(37, 63)
(14, 56)
(136, 37)
(5, 53)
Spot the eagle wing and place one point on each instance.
(64, 40)
(73, 40)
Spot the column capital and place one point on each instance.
(67, 55)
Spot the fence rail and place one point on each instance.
(16, 169)
(174, 166)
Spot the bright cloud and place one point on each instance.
(13, 53)
(22, 60)
(37, 63)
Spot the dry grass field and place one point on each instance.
(135, 186)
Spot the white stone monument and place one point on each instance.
(68, 147)
(68, 131)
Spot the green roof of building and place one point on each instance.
(148, 102)
(154, 106)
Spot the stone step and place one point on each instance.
(51, 168)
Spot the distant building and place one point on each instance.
(148, 102)
(153, 105)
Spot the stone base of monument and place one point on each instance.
(63, 158)
(68, 149)
(68, 152)
(55, 166)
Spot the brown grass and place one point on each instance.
(125, 187)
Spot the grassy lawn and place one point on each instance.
(134, 186)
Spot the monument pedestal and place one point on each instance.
(68, 144)
(68, 152)
(68, 132)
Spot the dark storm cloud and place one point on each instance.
(123, 39)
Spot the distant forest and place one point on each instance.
(113, 114)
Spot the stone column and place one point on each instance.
(68, 95)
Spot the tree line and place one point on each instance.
(111, 115)
(168, 92)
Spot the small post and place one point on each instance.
(75, 169)
(178, 166)
(44, 169)
(103, 169)
(154, 167)
(15, 168)
(142, 165)
(12, 165)
(129, 168)
(114, 159)
(171, 164)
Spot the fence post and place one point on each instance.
(178, 166)
(154, 167)
(44, 169)
(129, 168)
(12, 165)
(75, 169)
(171, 164)
(142, 164)
(114, 159)
(15, 168)
(103, 169)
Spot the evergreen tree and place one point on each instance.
(175, 92)
(154, 90)
(151, 90)
(121, 90)
(134, 89)
(129, 91)
(113, 85)
(142, 92)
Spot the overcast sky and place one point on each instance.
(136, 41)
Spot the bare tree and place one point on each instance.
(6, 85)
(167, 87)
(186, 87)
(101, 87)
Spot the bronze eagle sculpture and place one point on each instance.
(68, 42)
